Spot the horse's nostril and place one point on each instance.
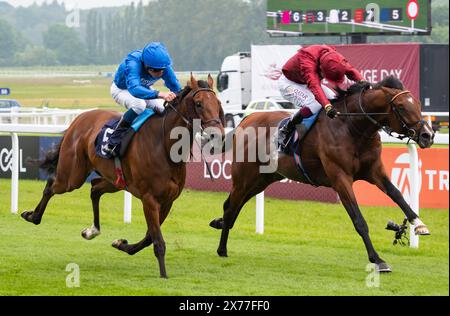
(425, 136)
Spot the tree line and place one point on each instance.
(198, 33)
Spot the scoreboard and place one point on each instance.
(346, 17)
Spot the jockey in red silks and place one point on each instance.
(301, 82)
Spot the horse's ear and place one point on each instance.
(210, 81)
(193, 84)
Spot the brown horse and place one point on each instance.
(335, 153)
(150, 172)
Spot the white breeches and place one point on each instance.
(300, 95)
(124, 98)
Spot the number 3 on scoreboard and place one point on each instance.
(320, 16)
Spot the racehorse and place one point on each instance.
(150, 173)
(335, 153)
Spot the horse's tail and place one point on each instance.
(50, 162)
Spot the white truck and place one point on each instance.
(248, 76)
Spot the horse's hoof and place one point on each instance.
(119, 242)
(90, 233)
(383, 267)
(217, 223)
(222, 253)
(421, 230)
(28, 216)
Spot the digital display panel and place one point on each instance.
(337, 17)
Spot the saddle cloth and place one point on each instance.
(301, 130)
(296, 136)
(123, 136)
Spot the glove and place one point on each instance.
(159, 108)
(331, 111)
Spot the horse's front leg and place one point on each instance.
(131, 249)
(342, 184)
(381, 180)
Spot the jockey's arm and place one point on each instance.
(314, 84)
(353, 74)
(134, 84)
(170, 80)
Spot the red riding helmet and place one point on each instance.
(333, 66)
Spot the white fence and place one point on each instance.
(429, 115)
(38, 116)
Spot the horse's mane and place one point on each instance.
(388, 82)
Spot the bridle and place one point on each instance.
(411, 133)
(188, 120)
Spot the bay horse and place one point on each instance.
(335, 153)
(150, 173)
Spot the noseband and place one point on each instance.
(411, 131)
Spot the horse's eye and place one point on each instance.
(198, 104)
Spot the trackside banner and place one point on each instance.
(433, 178)
(377, 61)
(267, 62)
(198, 178)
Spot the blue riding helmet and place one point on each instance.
(156, 56)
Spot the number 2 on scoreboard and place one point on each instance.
(345, 15)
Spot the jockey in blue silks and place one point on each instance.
(132, 85)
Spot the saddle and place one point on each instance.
(292, 148)
(297, 135)
(123, 139)
(123, 136)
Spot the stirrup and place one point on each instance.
(284, 142)
(287, 140)
(108, 149)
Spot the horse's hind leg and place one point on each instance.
(99, 187)
(239, 195)
(70, 175)
(35, 216)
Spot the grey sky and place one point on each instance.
(81, 4)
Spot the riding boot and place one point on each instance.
(287, 129)
(110, 146)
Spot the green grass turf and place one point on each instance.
(308, 248)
